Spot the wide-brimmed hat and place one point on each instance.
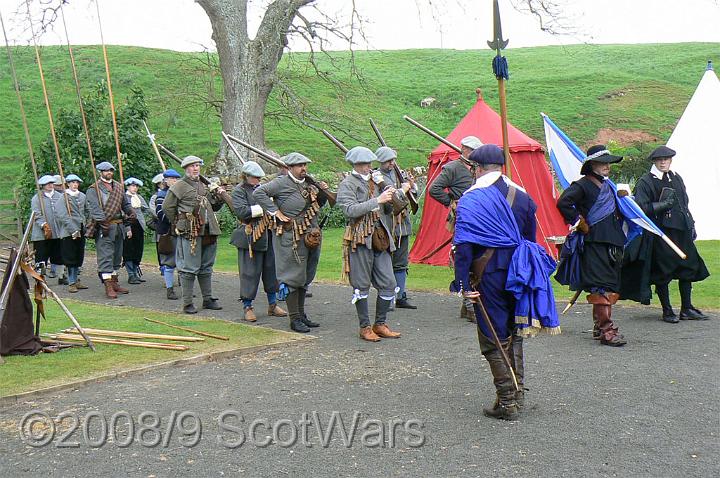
(600, 154)
(661, 152)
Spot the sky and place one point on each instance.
(389, 24)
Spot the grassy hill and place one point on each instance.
(639, 89)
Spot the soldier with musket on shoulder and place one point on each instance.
(367, 243)
(190, 206)
(110, 214)
(500, 267)
(401, 226)
(662, 195)
(294, 205)
(448, 187)
(594, 249)
(253, 239)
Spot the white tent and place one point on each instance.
(698, 158)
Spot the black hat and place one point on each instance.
(600, 154)
(661, 152)
(488, 154)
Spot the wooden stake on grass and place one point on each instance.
(188, 329)
(131, 343)
(135, 335)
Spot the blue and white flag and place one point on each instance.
(567, 159)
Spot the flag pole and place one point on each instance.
(500, 69)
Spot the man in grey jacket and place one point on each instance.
(401, 224)
(294, 205)
(72, 232)
(367, 242)
(46, 231)
(253, 239)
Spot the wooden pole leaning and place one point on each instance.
(110, 94)
(151, 137)
(188, 329)
(82, 108)
(23, 116)
(49, 112)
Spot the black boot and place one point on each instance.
(668, 315)
(404, 303)
(187, 281)
(171, 295)
(296, 323)
(687, 311)
(517, 359)
(302, 293)
(505, 406)
(209, 302)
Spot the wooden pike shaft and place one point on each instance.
(155, 148)
(188, 329)
(674, 247)
(497, 342)
(23, 116)
(504, 123)
(135, 335)
(131, 343)
(69, 314)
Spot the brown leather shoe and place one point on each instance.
(80, 285)
(384, 331)
(274, 310)
(250, 314)
(110, 290)
(72, 288)
(366, 333)
(116, 286)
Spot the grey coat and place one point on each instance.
(53, 206)
(354, 201)
(243, 200)
(153, 213)
(456, 178)
(76, 219)
(405, 227)
(96, 212)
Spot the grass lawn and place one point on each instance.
(422, 277)
(22, 373)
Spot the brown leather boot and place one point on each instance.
(80, 285)
(109, 289)
(602, 314)
(517, 359)
(250, 314)
(72, 288)
(366, 333)
(384, 331)
(116, 286)
(505, 406)
(275, 310)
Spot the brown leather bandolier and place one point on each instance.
(357, 232)
(302, 224)
(255, 228)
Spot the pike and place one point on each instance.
(329, 195)
(500, 69)
(203, 179)
(151, 137)
(410, 195)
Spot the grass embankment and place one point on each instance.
(584, 88)
(436, 279)
(21, 373)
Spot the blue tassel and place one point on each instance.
(500, 67)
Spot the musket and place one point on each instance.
(410, 195)
(501, 73)
(224, 196)
(335, 141)
(329, 195)
(151, 137)
(432, 133)
(232, 147)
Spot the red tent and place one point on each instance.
(529, 170)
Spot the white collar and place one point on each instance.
(365, 177)
(72, 193)
(105, 180)
(47, 194)
(659, 174)
(490, 178)
(294, 179)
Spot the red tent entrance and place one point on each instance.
(529, 170)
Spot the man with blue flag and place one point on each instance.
(504, 272)
(591, 258)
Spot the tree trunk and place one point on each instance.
(248, 69)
